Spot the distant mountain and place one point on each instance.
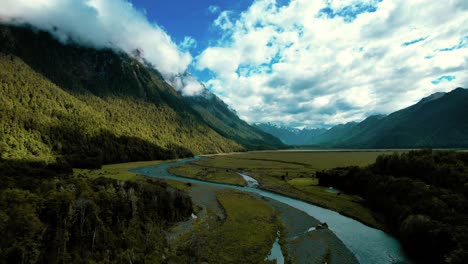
(226, 122)
(98, 105)
(437, 121)
(291, 136)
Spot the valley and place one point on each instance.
(120, 143)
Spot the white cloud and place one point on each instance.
(188, 43)
(289, 64)
(187, 84)
(223, 21)
(213, 9)
(102, 23)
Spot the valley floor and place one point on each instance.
(290, 173)
(234, 226)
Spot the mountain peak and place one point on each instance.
(431, 97)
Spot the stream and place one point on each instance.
(369, 245)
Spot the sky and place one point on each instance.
(313, 63)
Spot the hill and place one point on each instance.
(437, 121)
(93, 106)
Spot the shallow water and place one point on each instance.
(276, 253)
(251, 182)
(369, 245)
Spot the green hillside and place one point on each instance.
(437, 121)
(95, 106)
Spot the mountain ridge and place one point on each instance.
(436, 121)
(288, 135)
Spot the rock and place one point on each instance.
(322, 226)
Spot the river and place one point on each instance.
(369, 245)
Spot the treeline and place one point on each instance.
(423, 196)
(49, 216)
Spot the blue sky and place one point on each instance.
(182, 18)
(313, 63)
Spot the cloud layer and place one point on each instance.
(320, 63)
(103, 23)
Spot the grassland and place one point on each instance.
(120, 172)
(115, 171)
(209, 174)
(292, 173)
(245, 235)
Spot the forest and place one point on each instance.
(50, 216)
(422, 196)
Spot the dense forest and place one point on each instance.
(422, 195)
(49, 216)
(95, 106)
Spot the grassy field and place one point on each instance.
(116, 171)
(292, 173)
(245, 235)
(208, 174)
(120, 172)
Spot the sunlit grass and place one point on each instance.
(209, 174)
(244, 236)
(116, 171)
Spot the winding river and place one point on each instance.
(369, 245)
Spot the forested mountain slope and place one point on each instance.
(93, 106)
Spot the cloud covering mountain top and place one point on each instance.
(102, 24)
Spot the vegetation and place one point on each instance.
(118, 171)
(49, 216)
(291, 173)
(65, 106)
(422, 195)
(208, 174)
(244, 235)
(121, 172)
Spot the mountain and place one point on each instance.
(437, 121)
(92, 106)
(291, 136)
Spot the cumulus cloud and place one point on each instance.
(187, 84)
(321, 63)
(102, 23)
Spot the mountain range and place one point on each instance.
(91, 106)
(291, 135)
(437, 121)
